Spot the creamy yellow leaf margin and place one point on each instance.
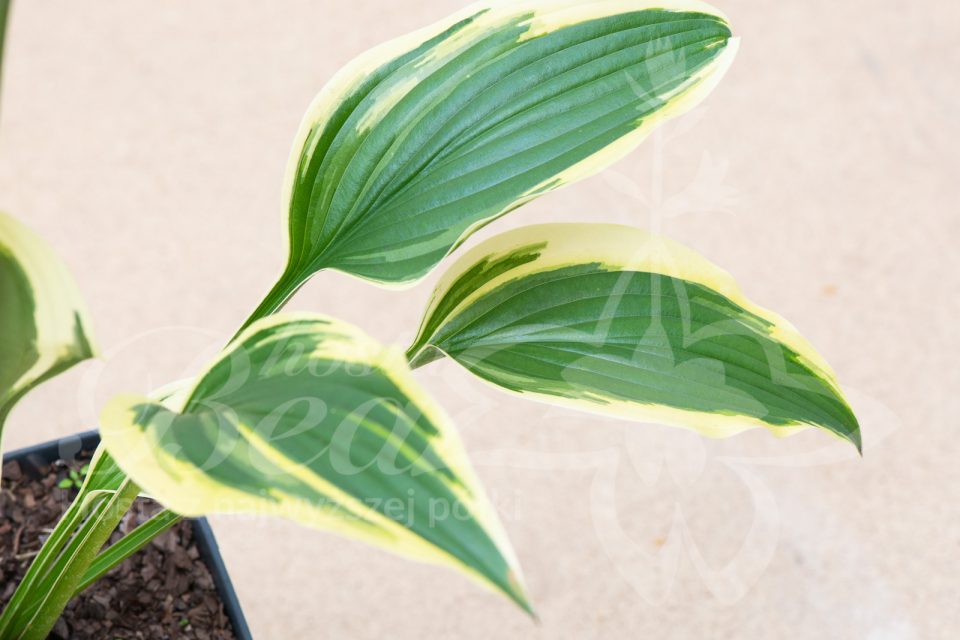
(546, 16)
(59, 314)
(187, 490)
(624, 248)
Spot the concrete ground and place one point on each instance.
(147, 141)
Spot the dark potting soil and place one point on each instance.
(165, 591)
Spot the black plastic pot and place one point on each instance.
(31, 458)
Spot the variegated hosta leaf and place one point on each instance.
(44, 327)
(307, 418)
(612, 319)
(423, 140)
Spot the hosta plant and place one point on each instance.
(408, 151)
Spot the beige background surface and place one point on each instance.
(147, 141)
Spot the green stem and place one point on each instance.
(275, 300)
(65, 575)
(127, 546)
(38, 594)
(41, 565)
